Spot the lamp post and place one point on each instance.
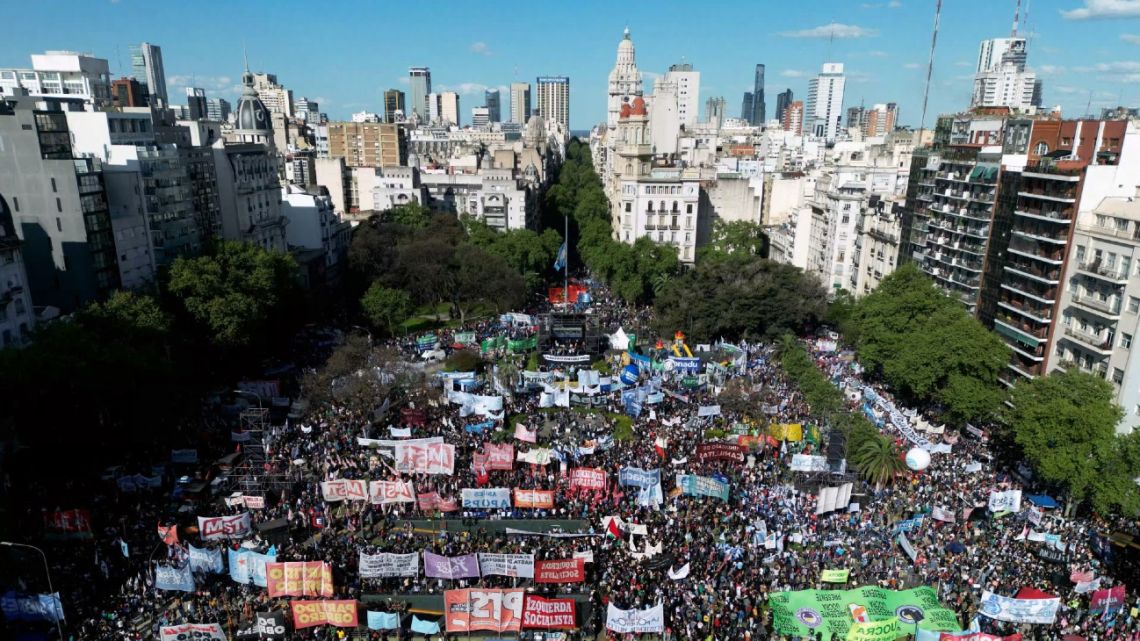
(242, 392)
(58, 616)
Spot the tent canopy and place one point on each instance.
(1040, 500)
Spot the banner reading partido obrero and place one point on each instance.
(825, 612)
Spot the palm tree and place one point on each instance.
(878, 461)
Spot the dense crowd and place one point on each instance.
(765, 538)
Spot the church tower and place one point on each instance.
(625, 80)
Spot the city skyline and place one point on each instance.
(1084, 50)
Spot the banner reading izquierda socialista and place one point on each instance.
(827, 612)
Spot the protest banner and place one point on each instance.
(189, 456)
(635, 621)
(344, 490)
(249, 567)
(548, 614)
(270, 625)
(939, 514)
(809, 463)
(383, 620)
(536, 456)
(525, 434)
(708, 410)
(978, 636)
(513, 565)
(450, 567)
(702, 486)
(1006, 501)
(167, 577)
(1043, 611)
(1107, 602)
(432, 502)
(560, 571)
(588, 478)
(835, 576)
(543, 499)
(386, 564)
(192, 632)
(385, 492)
(887, 630)
(205, 560)
(486, 497)
(68, 524)
(806, 613)
(213, 528)
(495, 610)
(786, 431)
(307, 614)
(432, 458)
(299, 578)
(720, 452)
(500, 456)
(637, 477)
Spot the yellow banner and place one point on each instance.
(787, 431)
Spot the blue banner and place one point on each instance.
(206, 560)
(479, 428)
(171, 578)
(35, 607)
(702, 486)
(383, 620)
(247, 565)
(421, 626)
(638, 477)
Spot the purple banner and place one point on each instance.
(451, 567)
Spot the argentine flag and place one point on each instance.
(560, 260)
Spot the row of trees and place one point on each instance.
(410, 257)
(932, 353)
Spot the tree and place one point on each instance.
(234, 290)
(137, 315)
(878, 461)
(736, 237)
(386, 307)
(410, 215)
(482, 278)
(1065, 424)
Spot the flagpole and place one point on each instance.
(566, 263)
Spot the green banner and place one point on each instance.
(888, 630)
(464, 338)
(826, 612)
(493, 343)
(523, 344)
(835, 576)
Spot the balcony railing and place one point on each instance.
(1036, 331)
(1094, 341)
(1110, 307)
(1028, 270)
(1111, 231)
(1043, 214)
(1098, 270)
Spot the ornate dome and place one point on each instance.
(638, 108)
(251, 118)
(625, 110)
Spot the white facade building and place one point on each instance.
(65, 75)
(688, 92)
(449, 108)
(664, 119)
(1001, 79)
(824, 106)
(624, 82)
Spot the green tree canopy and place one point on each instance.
(736, 237)
(1065, 424)
(234, 290)
(386, 307)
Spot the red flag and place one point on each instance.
(613, 529)
(168, 533)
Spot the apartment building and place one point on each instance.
(368, 144)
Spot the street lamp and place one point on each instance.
(249, 393)
(58, 616)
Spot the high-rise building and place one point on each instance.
(625, 80)
(664, 121)
(825, 102)
(433, 115)
(715, 111)
(62, 75)
(394, 102)
(480, 116)
(368, 144)
(688, 92)
(554, 99)
(146, 61)
(758, 113)
(218, 109)
(746, 107)
(493, 104)
(880, 119)
(16, 316)
(276, 98)
(128, 92)
(793, 117)
(365, 116)
(419, 81)
(856, 118)
(520, 102)
(783, 99)
(449, 108)
(307, 110)
(196, 103)
(1001, 79)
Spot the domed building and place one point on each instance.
(251, 119)
(625, 80)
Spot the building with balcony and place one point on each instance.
(1100, 315)
(60, 75)
(16, 315)
(876, 251)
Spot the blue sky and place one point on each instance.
(344, 53)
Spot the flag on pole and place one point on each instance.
(560, 260)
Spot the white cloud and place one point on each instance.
(1120, 66)
(1102, 9)
(1130, 37)
(1049, 70)
(963, 63)
(1066, 89)
(480, 48)
(833, 30)
(912, 65)
(878, 54)
(792, 73)
(473, 88)
(893, 4)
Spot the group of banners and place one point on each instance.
(506, 610)
(471, 566)
(376, 492)
(215, 528)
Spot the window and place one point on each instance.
(689, 208)
(1126, 340)
(1080, 253)
(629, 206)
(1041, 149)
(20, 307)
(1117, 375)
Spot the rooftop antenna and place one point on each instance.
(245, 56)
(930, 68)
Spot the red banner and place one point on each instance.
(413, 417)
(307, 614)
(588, 478)
(500, 457)
(557, 295)
(977, 636)
(69, 524)
(560, 571)
(550, 614)
(299, 578)
(720, 452)
(432, 501)
(534, 498)
(483, 609)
